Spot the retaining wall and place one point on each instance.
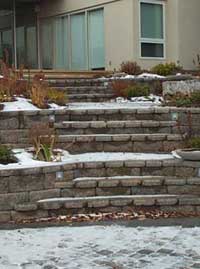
(14, 125)
(21, 188)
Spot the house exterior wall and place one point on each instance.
(189, 32)
(122, 29)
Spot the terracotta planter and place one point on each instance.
(189, 154)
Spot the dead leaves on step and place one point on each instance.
(131, 215)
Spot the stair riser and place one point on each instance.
(129, 146)
(137, 130)
(89, 98)
(86, 90)
(75, 83)
(134, 190)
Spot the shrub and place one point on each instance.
(195, 97)
(39, 94)
(182, 100)
(11, 84)
(166, 69)
(37, 90)
(194, 142)
(137, 91)
(119, 87)
(6, 155)
(57, 96)
(130, 68)
(43, 138)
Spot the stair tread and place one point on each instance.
(114, 124)
(117, 177)
(154, 196)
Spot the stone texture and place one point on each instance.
(40, 195)
(25, 207)
(113, 191)
(5, 216)
(98, 203)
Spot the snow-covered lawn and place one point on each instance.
(99, 247)
(25, 159)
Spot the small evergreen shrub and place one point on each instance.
(166, 69)
(6, 155)
(182, 100)
(194, 142)
(137, 91)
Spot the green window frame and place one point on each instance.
(152, 29)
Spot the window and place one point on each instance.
(152, 29)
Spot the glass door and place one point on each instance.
(61, 48)
(78, 42)
(96, 39)
(47, 44)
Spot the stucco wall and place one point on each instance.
(122, 29)
(189, 33)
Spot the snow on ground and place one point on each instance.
(125, 76)
(21, 104)
(100, 247)
(151, 100)
(120, 103)
(25, 159)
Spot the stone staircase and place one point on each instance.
(137, 184)
(114, 185)
(84, 90)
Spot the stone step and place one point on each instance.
(130, 185)
(115, 127)
(118, 112)
(120, 142)
(97, 97)
(86, 90)
(76, 82)
(114, 203)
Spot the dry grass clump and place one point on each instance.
(13, 84)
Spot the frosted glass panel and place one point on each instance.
(7, 44)
(47, 44)
(31, 43)
(61, 43)
(151, 20)
(21, 54)
(78, 39)
(96, 39)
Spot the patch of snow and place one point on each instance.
(174, 153)
(57, 107)
(150, 75)
(151, 100)
(118, 103)
(21, 104)
(126, 76)
(25, 158)
(100, 247)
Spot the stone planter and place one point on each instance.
(190, 154)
